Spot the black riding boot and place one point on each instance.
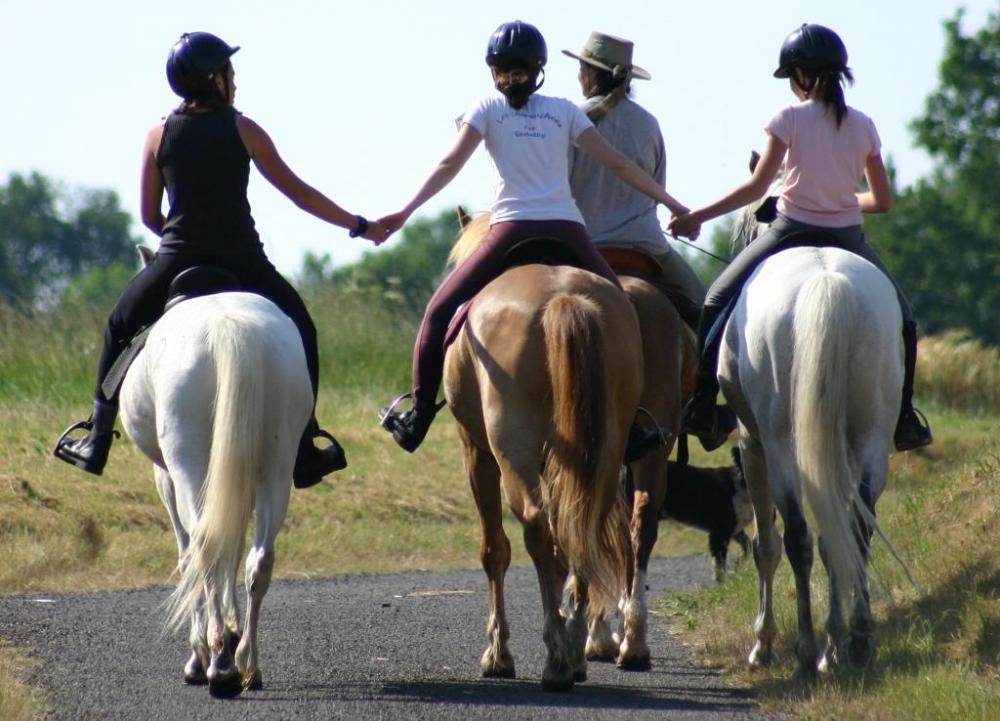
(312, 463)
(912, 430)
(701, 414)
(90, 452)
(408, 429)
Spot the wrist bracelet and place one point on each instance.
(362, 227)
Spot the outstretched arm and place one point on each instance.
(743, 194)
(444, 172)
(271, 165)
(592, 143)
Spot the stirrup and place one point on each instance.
(389, 420)
(640, 446)
(60, 452)
(920, 440)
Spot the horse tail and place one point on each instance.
(826, 314)
(228, 493)
(585, 511)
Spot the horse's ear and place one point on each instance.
(146, 254)
(463, 218)
(754, 159)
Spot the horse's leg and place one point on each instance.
(861, 648)
(271, 506)
(766, 552)
(836, 627)
(650, 476)
(525, 500)
(798, 548)
(576, 626)
(602, 645)
(494, 553)
(194, 669)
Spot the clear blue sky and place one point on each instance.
(361, 97)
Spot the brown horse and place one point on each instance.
(670, 360)
(544, 381)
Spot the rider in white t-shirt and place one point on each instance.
(830, 147)
(528, 137)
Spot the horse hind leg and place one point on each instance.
(766, 555)
(861, 646)
(272, 505)
(494, 553)
(798, 548)
(577, 626)
(526, 504)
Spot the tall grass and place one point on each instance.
(958, 372)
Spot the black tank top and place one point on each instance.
(206, 169)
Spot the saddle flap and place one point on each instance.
(627, 261)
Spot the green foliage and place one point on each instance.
(402, 276)
(48, 236)
(940, 240)
(705, 266)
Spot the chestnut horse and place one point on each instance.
(544, 382)
(669, 360)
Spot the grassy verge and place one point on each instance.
(939, 644)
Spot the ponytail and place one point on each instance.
(827, 87)
(517, 93)
(614, 86)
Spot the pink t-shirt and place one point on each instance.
(825, 164)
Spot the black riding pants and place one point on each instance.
(142, 302)
(783, 233)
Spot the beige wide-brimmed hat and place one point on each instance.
(608, 52)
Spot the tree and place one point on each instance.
(940, 240)
(404, 275)
(48, 237)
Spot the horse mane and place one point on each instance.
(473, 232)
(746, 227)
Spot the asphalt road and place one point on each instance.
(401, 646)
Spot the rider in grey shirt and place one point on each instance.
(616, 215)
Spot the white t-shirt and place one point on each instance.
(529, 149)
(825, 163)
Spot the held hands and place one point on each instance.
(393, 222)
(684, 225)
(376, 233)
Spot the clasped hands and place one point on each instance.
(685, 225)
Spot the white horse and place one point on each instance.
(811, 362)
(217, 400)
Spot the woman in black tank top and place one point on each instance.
(201, 154)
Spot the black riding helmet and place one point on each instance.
(517, 41)
(193, 58)
(813, 48)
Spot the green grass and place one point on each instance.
(939, 642)
(63, 530)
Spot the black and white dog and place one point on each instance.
(714, 500)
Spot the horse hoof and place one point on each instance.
(253, 682)
(227, 687)
(498, 672)
(557, 685)
(633, 661)
(861, 652)
(194, 672)
(579, 676)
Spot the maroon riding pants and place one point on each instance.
(482, 266)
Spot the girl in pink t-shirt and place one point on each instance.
(827, 148)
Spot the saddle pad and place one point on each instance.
(112, 382)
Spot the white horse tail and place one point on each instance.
(228, 493)
(826, 314)
(584, 512)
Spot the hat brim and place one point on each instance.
(637, 72)
(782, 73)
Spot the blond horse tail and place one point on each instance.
(585, 511)
(826, 314)
(228, 493)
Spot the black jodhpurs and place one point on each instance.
(142, 302)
